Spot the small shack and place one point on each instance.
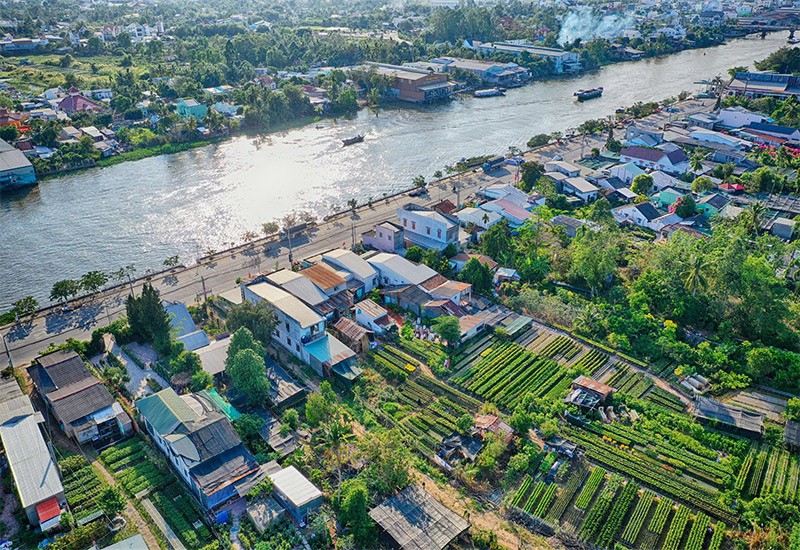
(588, 393)
(488, 423)
(561, 446)
(732, 418)
(791, 435)
(296, 493)
(415, 520)
(360, 339)
(457, 447)
(264, 513)
(284, 391)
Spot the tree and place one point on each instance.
(9, 133)
(24, 307)
(332, 438)
(124, 41)
(111, 501)
(354, 509)
(696, 163)
(496, 241)
(478, 275)
(530, 172)
(269, 228)
(387, 458)
(291, 418)
(695, 276)
(320, 406)
(201, 380)
(93, 281)
(261, 490)
(753, 216)
(258, 318)
(172, 261)
(448, 329)
(64, 290)
(702, 184)
(247, 372)
(414, 254)
(538, 140)
(792, 411)
(594, 256)
(685, 206)
(464, 423)
(642, 184)
(248, 427)
(418, 181)
(148, 319)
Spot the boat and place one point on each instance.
(489, 92)
(793, 41)
(592, 93)
(353, 140)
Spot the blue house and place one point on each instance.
(201, 444)
(190, 107)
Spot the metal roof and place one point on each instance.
(165, 410)
(294, 486)
(328, 350)
(711, 409)
(13, 403)
(323, 276)
(350, 261)
(299, 286)
(82, 403)
(405, 269)
(12, 158)
(371, 309)
(34, 471)
(417, 521)
(213, 356)
(286, 303)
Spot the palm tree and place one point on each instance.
(694, 276)
(332, 437)
(754, 215)
(696, 163)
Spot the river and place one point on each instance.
(143, 211)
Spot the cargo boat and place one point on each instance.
(489, 92)
(583, 95)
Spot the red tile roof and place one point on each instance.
(75, 102)
(48, 509)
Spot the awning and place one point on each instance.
(48, 509)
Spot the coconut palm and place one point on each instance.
(694, 275)
(332, 438)
(696, 163)
(754, 215)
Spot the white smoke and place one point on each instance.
(585, 24)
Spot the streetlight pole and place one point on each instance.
(8, 352)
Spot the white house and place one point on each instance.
(515, 215)
(358, 267)
(673, 161)
(427, 228)
(483, 219)
(508, 192)
(385, 236)
(641, 214)
(738, 116)
(395, 270)
(662, 181)
(775, 130)
(373, 316)
(625, 172)
(710, 136)
(569, 170)
(580, 187)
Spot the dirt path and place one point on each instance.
(509, 535)
(130, 511)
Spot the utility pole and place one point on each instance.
(8, 352)
(353, 232)
(205, 293)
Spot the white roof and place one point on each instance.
(351, 262)
(12, 158)
(581, 184)
(289, 305)
(411, 272)
(299, 285)
(430, 215)
(294, 486)
(213, 356)
(35, 473)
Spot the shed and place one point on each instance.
(733, 418)
(297, 494)
(264, 513)
(415, 520)
(791, 434)
(360, 339)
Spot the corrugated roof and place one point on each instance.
(351, 329)
(351, 262)
(13, 403)
(59, 369)
(294, 486)
(48, 509)
(82, 403)
(711, 409)
(409, 271)
(213, 356)
(34, 471)
(593, 385)
(299, 286)
(288, 304)
(371, 308)
(323, 276)
(328, 350)
(165, 410)
(417, 521)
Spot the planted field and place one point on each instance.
(590, 488)
(634, 526)
(663, 398)
(511, 372)
(82, 487)
(676, 529)
(627, 380)
(617, 514)
(568, 492)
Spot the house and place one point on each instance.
(386, 237)
(711, 18)
(562, 61)
(505, 275)
(579, 187)
(775, 130)
(588, 393)
(303, 288)
(445, 207)
(470, 326)
(93, 133)
(490, 72)
(414, 85)
(213, 356)
(709, 136)
(704, 121)
(667, 197)
(79, 401)
(410, 298)
(570, 224)
(514, 214)
(459, 448)
(9, 118)
(562, 167)
(674, 161)
(69, 133)
(226, 109)
(301, 331)
(359, 338)
(284, 391)
(791, 435)
(74, 102)
(507, 192)
(481, 219)
(625, 172)
(488, 423)
(730, 417)
(440, 288)
(201, 445)
(460, 260)
(190, 107)
(641, 214)
(712, 204)
(350, 262)
(264, 513)
(427, 228)
(395, 270)
(372, 316)
(644, 135)
(295, 492)
(15, 168)
(737, 117)
(183, 327)
(32, 467)
(757, 85)
(415, 520)
(782, 228)
(325, 278)
(662, 180)
(561, 446)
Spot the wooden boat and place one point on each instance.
(489, 92)
(353, 140)
(583, 95)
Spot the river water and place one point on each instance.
(144, 211)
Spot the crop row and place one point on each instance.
(665, 399)
(114, 454)
(181, 517)
(597, 513)
(563, 346)
(545, 501)
(534, 497)
(717, 537)
(591, 361)
(440, 388)
(697, 534)
(617, 514)
(522, 490)
(563, 500)
(758, 473)
(676, 528)
(388, 368)
(769, 476)
(590, 488)
(637, 518)
(660, 516)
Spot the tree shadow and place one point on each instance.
(170, 280)
(20, 331)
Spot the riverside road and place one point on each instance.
(25, 340)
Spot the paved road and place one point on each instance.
(26, 340)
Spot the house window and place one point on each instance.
(297, 347)
(277, 333)
(287, 325)
(289, 342)
(413, 225)
(405, 222)
(428, 230)
(439, 233)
